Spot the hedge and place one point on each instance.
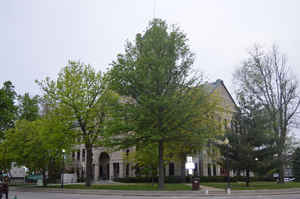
(188, 179)
(168, 179)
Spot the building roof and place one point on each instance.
(212, 86)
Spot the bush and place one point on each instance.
(188, 179)
(215, 179)
(252, 179)
(168, 179)
(135, 179)
(174, 179)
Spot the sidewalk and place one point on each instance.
(211, 189)
(210, 192)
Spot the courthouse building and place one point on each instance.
(109, 165)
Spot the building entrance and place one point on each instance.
(104, 166)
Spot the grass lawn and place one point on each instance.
(253, 185)
(138, 186)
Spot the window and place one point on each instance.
(83, 155)
(214, 170)
(78, 155)
(93, 171)
(208, 170)
(116, 168)
(196, 169)
(73, 155)
(137, 171)
(127, 170)
(200, 168)
(171, 169)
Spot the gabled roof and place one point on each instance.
(211, 87)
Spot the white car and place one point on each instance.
(289, 179)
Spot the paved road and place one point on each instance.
(45, 195)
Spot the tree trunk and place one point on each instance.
(89, 164)
(281, 169)
(161, 176)
(44, 177)
(247, 177)
(282, 145)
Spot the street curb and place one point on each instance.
(200, 193)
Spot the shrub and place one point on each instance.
(174, 179)
(188, 179)
(135, 179)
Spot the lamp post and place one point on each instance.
(63, 168)
(228, 189)
(278, 171)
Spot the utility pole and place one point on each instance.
(63, 169)
(228, 189)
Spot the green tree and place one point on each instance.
(8, 116)
(296, 164)
(162, 100)
(35, 144)
(250, 142)
(8, 109)
(28, 107)
(80, 94)
(5, 158)
(266, 77)
(179, 149)
(145, 160)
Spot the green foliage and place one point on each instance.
(8, 109)
(5, 158)
(187, 179)
(214, 179)
(296, 164)
(145, 159)
(256, 186)
(8, 116)
(163, 102)
(168, 179)
(139, 186)
(35, 144)
(80, 95)
(251, 139)
(251, 142)
(28, 107)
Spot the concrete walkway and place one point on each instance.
(211, 189)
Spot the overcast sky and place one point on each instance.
(38, 37)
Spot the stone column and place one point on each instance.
(111, 170)
(177, 168)
(218, 170)
(96, 178)
(205, 169)
(121, 167)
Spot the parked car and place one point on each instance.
(289, 179)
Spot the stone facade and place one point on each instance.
(207, 159)
(106, 165)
